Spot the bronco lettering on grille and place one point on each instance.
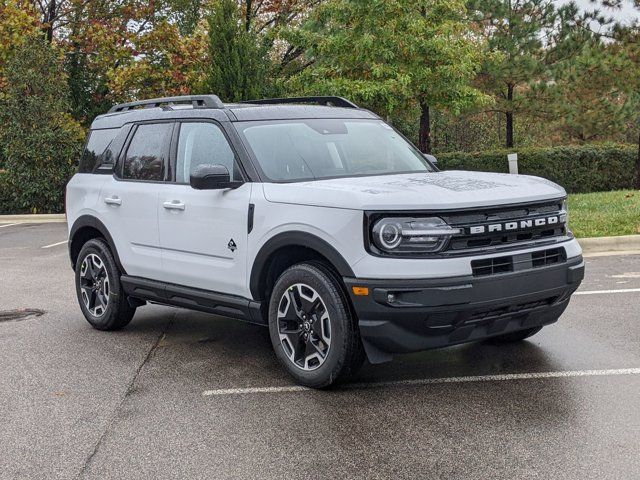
(515, 225)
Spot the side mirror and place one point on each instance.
(431, 158)
(211, 177)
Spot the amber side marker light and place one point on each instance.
(360, 291)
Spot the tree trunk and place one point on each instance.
(49, 18)
(509, 117)
(247, 18)
(424, 138)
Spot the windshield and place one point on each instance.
(293, 150)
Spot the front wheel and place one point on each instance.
(312, 331)
(98, 287)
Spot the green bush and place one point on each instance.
(5, 199)
(40, 141)
(579, 169)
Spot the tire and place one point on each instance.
(514, 336)
(98, 288)
(314, 335)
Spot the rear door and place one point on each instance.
(203, 233)
(130, 198)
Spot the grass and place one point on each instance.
(604, 214)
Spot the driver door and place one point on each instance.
(203, 233)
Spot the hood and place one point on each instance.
(416, 191)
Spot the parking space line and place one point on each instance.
(432, 381)
(55, 244)
(9, 225)
(599, 292)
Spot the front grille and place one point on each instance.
(513, 263)
(491, 266)
(468, 242)
(548, 257)
(489, 241)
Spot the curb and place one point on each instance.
(622, 243)
(42, 218)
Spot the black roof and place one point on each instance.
(210, 106)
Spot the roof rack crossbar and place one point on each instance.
(327, 101)
(198, 101)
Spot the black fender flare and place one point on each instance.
(93, 222)
(295, 238)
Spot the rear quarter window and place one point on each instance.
(99, 150)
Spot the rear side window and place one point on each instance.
(97, 153)
(148, 152)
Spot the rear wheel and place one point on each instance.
(514, 336)
(98, 287)
(313, 333)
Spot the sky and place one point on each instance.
(626, 13)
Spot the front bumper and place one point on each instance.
(399, 316)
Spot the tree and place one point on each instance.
(160, 62)
(119, 51)
(237, 62)
(626, 37)
(596, 95)
(40, 140)
(390, 55)
(18, 21)
(528, 38)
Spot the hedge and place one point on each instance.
(579, 169)
(39, 141)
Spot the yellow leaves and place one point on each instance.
(159, 62)
(18, 21)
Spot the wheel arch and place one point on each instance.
(84, 229)
(293, 245)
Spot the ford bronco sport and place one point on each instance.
(317, 219)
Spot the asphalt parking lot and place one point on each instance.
(179, 394)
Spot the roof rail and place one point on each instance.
(198, 101)
(327, 101)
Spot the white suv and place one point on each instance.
(317, 219)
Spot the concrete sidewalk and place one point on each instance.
(43, 218)
(599, 245)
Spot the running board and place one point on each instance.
(193, 299)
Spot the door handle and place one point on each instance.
(113, 201)
(174, 205)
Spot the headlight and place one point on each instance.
(411, 235)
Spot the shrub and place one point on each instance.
(5, 206)
(40, 141)
(579, 169)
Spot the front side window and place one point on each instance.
(202, 143)
(147, 153)
(293, 150)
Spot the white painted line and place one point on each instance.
(600, 292)
(627, 275)
(56, 244)
(432, 381)
(244, 391)
(611, 254)
(9, 225)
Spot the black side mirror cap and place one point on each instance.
(212, 177)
